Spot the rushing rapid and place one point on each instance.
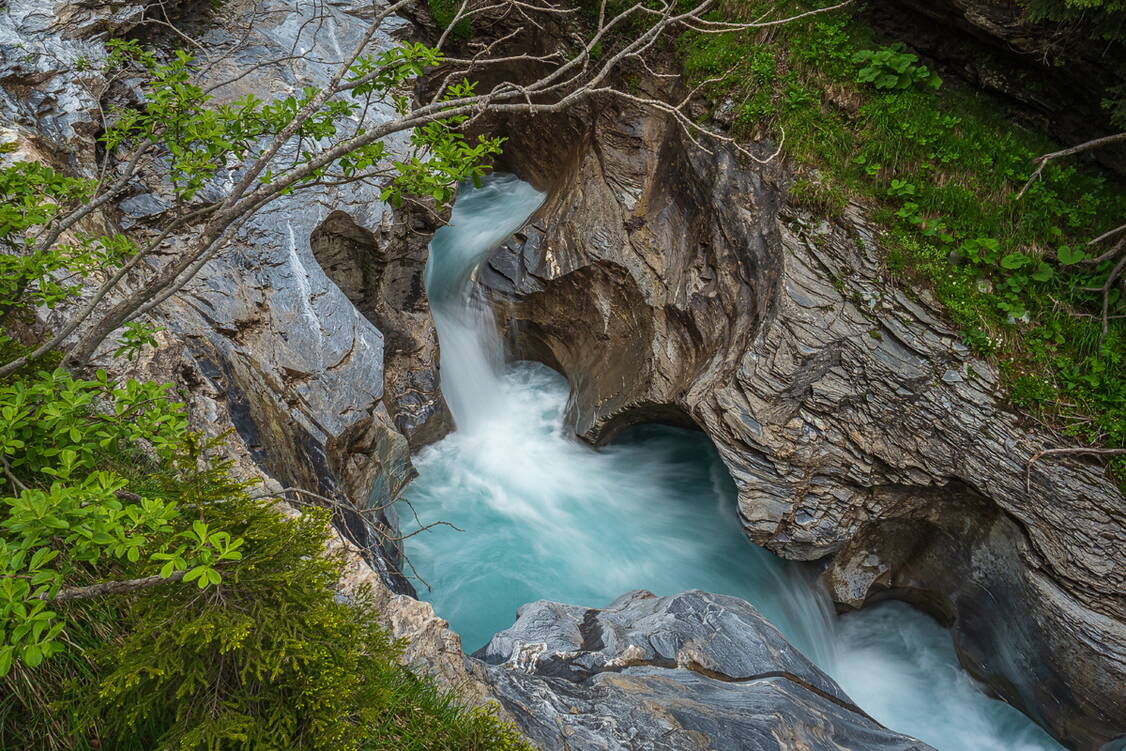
(545, 516)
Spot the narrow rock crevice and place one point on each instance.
(382, 275)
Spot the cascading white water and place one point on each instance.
(471, 350)
(545, 516)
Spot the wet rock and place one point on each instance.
(672, 285)
(689, 671)
(382, 275)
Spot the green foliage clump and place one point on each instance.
(941, 169)
(65, 511)
(270, 659)
(202, 137)
(892, 68)
(443, 13)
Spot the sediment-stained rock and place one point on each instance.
(670, 284)
(689, 671)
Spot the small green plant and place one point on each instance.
(893, 69)
(1069, 256)
(900, 188)
(136, 337)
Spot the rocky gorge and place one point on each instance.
(669, 285)
(848, 414)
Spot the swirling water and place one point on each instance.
(545, 516)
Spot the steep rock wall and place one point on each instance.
(263, 345)
(670, 284)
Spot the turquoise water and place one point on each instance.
(544, 516)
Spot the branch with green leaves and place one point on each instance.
(66, 517)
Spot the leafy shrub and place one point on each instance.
(66, 510)
(271, 659)
(890, 68)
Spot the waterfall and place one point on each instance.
(467, 334)
(544, 516)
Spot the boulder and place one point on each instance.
(688, 671)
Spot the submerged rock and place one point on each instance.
(689, 671)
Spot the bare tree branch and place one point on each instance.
(1042, 161)
(575, 75)
(112, 587)
(1058, 452)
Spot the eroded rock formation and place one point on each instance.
(690, 671)
(672, 284)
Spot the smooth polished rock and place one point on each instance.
(687, 671)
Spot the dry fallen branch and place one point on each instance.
(1057, 452)
(1042, 161)
(1108, 286)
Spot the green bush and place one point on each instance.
(271, 659)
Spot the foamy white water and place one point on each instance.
(545, 516)
(471, 350)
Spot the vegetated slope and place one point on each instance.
(942, 167)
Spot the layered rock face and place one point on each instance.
(690, 671)
(264, 344)
(670, 284)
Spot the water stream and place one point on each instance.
(545, 516)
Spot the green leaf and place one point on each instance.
(1069, 256)
(32, 655)
(1015, 260)
(196, 573)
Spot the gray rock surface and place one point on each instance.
(263, 344)
(673, 285)
(301, 369)
(689, 671)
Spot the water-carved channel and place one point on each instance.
(545, 516)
